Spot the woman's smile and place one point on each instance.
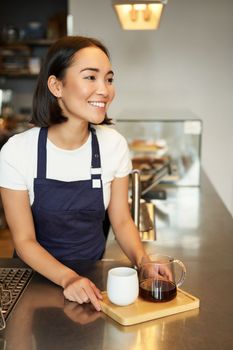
(97, 104)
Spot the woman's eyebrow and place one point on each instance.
(95, 70)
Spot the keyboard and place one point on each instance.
(13, 282)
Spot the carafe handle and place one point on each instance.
(183, 274)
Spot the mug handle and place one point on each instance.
(183, 274)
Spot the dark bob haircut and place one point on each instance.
(46, 110)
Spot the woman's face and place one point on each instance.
(87, 89)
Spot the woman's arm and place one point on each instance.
(122, 223)
(19, 218)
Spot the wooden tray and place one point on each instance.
(142, 310)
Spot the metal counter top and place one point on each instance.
(192, 225)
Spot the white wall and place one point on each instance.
(185, 68)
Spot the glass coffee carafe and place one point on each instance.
(159, 278)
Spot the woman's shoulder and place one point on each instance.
(22, 141)
(108, 133)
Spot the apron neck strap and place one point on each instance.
(95, 160)
(42, 155)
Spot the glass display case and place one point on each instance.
(165, 151)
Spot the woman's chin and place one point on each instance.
(97, 120)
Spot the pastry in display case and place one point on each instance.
(165, 151)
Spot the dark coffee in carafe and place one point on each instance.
(157, 290)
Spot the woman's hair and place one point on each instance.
(46, 110)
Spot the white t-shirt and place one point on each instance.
(18, 160)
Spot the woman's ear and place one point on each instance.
(54, 86)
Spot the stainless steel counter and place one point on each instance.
(192, 225)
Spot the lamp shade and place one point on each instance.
(139, 15)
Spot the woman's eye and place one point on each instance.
(110, 80)
(90, 77)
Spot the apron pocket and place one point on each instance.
(80, 215)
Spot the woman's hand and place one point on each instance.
(165, 273)
(82, 290)
(155, 271)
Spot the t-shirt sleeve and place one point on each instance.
(11, 166)
(124, 162)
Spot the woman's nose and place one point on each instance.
(103, 89)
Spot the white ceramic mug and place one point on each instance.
(122, 285)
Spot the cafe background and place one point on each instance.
(182, 70)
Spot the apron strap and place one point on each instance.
(41, 153)
(95, 161)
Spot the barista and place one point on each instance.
(58, 178)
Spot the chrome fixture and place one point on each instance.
(142, 212)
(136, 194)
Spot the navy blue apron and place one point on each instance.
(68, 216)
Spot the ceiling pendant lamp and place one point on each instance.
(139, 15)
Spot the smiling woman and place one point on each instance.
(59, 178)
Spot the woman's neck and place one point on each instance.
(69, 136)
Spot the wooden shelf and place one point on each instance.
(18, 51)
(29, 42)
(20, 76)
(17, 74)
